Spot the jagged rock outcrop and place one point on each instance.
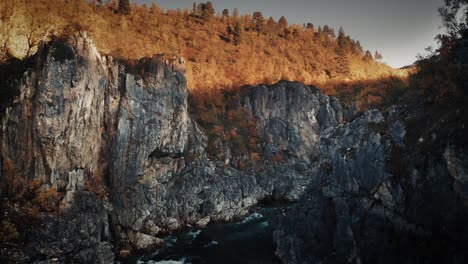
(163, 180)
(389, 189)
(54, 133)
(291, 116)
(116, 141)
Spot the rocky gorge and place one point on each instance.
(115, 145)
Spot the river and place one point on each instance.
(249, 241)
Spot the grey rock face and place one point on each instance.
(398, 131)
(351, 162)
(162, 190)
(56, 123)
(87, 124)
(351, 112)
(377, 201)
(290, 117)
(80, 234)
(54, 133)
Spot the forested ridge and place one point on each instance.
(222, 49)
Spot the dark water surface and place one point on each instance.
(247, 241)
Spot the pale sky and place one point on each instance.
(398, 29)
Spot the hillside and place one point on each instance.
(222, 50)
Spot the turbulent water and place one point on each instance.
(246, 241)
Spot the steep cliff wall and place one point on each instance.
(117, 144)
(54, 134)
(391, 188)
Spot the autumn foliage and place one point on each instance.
(378, 93)
(222, 50)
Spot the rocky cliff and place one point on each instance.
(391, 188)
(113, 141)
(103, 155)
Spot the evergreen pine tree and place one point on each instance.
(283, 23)
(377, 56)
(259, 22)
(225, 13)
(271, 24)
(208, 10)
(237, 33)
(124, 7)
(359, 48)
(194, 9)
(368, 56)
(344, 43)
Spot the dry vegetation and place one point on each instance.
(222, 50)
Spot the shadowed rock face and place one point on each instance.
(156, 189)
(389, 189)
(462, 52)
